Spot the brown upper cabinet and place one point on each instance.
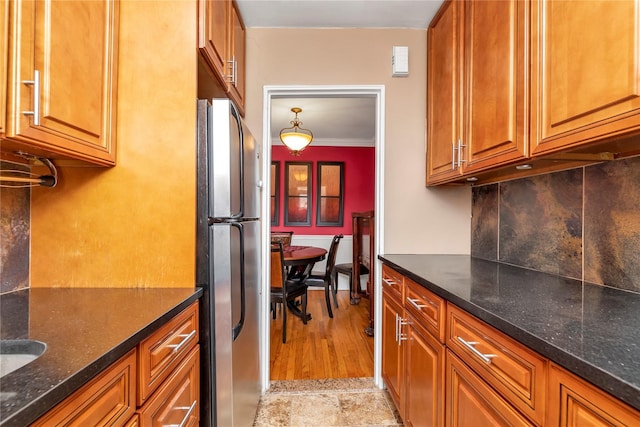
(477, 83)
(4, 28)
(61, 72)
(221, 40)
(535, 81)
(586, 72)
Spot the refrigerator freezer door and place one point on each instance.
(234, 164)
(235, 275)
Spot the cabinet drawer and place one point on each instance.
(576, 403)
(160, 353)
(513, 370)
(471, 402)
(108, 399)
(176, 401)
(392, 281)
(428, 308)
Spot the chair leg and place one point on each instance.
(284, 322)
(333, 287)
(304, 308)
(327, 290)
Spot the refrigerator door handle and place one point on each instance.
(238, 120)
(237, 328)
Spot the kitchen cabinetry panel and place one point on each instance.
(161, 352)
(221, 40)
(516, 372)
(477, 83)
(237, 59)
(471, 402)
(392, 363)
(66, 77)
(495, 75)
(176, 401)
(576, 403)
(443, 93)
(213, 37)
(586, 72)
(428, 308)
(108, 399)
(424, 357)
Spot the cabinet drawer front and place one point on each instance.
(108, 399)
(516, 372)
(176, 402)
(471, 402)
(160, 353)
(392, 281)
(428, 308)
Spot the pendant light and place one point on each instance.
(296, 138)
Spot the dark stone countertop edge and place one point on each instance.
(46, 401)
(594, 374)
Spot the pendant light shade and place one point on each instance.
(296, 138)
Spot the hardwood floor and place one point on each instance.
(324, 347)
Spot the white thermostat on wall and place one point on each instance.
(400, 61)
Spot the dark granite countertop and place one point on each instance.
(591, 330)
(85, 330)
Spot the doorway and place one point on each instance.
(269, 94)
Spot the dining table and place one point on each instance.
(299, 262)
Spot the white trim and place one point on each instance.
(377, 91)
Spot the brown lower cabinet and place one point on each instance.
(412, 357)
(443, 366)
(167, 363)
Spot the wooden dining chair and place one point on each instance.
(282, 236)
(283, 290)
(326, 278)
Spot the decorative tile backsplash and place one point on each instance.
(559, 222)
(14, 235)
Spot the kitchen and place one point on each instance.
(133, 225)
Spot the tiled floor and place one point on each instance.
(326, 403)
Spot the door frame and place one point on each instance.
(297, 91)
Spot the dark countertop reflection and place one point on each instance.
(85, 330)
(588, 329)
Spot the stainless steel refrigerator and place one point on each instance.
(228, 265)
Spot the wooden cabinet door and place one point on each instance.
(237, 59)
(213, 35)
(495, 83)
(471, 402)
(424, 368)
(443, 94)
(176, 402)
(576, 403)
(73, 45)
(586, 72)
(392, 366)
(108, 399)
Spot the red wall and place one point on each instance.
(359, 183)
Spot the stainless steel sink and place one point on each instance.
(15, 354)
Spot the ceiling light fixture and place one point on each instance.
(296, 138)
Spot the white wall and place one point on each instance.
(417, 219)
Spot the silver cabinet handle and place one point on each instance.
(486, 358)
(401, 336)
(397, 317)
(36, 97)
(460, 159)
(414, 302)
(388, 282)
(185, 339)
(185, 420)
(454, 164)
(232, 62)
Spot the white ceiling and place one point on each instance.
(334, 121)
(338, 13)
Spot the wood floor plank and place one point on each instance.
(324, 347)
